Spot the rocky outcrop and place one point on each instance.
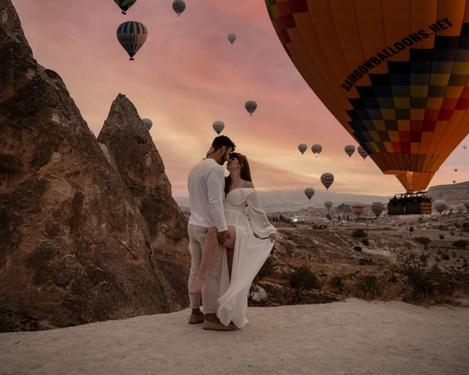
(130, 150)
(74, 245)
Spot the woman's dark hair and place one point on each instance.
(245, 172)
(222, 140)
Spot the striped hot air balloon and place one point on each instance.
(132, 36)
(358, 208)
(327, 179)
(377, 208)
(125, 4)
(395, 74)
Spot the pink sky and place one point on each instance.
(187, 75)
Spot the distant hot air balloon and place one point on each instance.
(349, 150)
(362, 152)
(466, 204)
(327, 179)
(218, 126)
(328, 205)
(302, 148)
(316, 149)
(148, 123)
(179, 6)
(440, 205)
(231, 37)
(454, 181)
(132, 36)
(309, 192)
(358, 208)
(250, 106)
(393, 73)
(377, 208)
(125, 4)
(464, 147)
(455, 169)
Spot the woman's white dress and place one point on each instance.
(252, 247)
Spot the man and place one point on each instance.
(206, 185)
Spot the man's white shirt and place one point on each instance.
(206, 184)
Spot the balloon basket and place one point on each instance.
(410, 204)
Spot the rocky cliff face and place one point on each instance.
(76, 245)
(454, 194)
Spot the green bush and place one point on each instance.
(359, 233)
(337, 282)
(303, 279)
(460, 244)
(365, 242)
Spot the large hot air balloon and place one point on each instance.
(358, 208)
(377, 208)
(179, 6)
(327, 179)
(302, 148)
(218, 126)
(131, 36)
(147, 123)
(309, 192)
(349, 150)
(250, 106)
(328, 205)
(362, 152)
(440, 205)
(125, 4)
(316, 149)
(393, 72)
(231, 37)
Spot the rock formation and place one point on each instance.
(74, 244)
(131, 151)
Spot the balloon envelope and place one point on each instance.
(349, 150)
(250, 106)
(218, 126)
(327, 179)
(302, 148)
(125, 4)
(362, 152)
(148, 123)
(440, 205)
(309, 192)
(358, 208)
(316, 149)
(232, 37)
(132, 36)
(179, 6)
(377, 208)
(328, 204)
(393, 73)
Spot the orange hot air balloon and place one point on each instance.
(395, 73)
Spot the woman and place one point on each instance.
(247, 244)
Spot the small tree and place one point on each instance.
(424, 241)
(303, 279)
(460, 244)
(411, 229)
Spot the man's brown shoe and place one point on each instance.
(217, 326)
(196, 318)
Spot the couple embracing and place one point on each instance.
(230, 238)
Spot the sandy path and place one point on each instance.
(353, 337)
